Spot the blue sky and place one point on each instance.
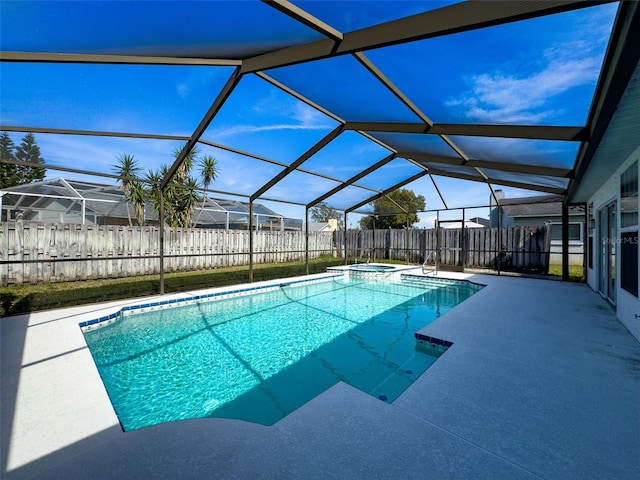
(539, 72)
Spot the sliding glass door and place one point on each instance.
(608, 242)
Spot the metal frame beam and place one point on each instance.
(303, 158)
(525, 186)
(232, 82)
(271, 161)
(305, 18)
(352, 180)
(91, 133)
(532, 132)
(455, 18)
(425, 159)
(299, 96)
(40, 57)
(390, 189)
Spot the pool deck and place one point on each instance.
(542, 381)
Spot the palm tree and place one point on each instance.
(185, 167)
(180, 197)
(209, 172)
(155, 194)
(127, 169)
(138, 195)
(186, 202)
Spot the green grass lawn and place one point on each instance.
(576, 273)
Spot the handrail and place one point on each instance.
(434, 254)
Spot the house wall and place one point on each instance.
(627, 305)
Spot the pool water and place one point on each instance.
(259, 357)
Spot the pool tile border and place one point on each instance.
(129, 309)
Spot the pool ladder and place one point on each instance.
(425, 267)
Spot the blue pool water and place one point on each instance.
(259, 357)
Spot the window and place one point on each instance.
(629, 197)
(629, 262)
(575, 232)
(591, 227)
(629, 229)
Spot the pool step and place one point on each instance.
(426, 282)
(407, 373)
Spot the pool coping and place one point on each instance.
(225, 292)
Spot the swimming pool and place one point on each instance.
(258, 357)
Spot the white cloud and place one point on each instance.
(426, 221)
(299, 115)
(183, 90)
(509, 98)
(508, 95)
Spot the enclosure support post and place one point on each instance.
(437, 241)
(499, 242)
(306, 240)
(463, 251)
(585, 245)
(161, 233)
(372, 250)
(346, 260)
(565, 241)
(406, 243)
(250, 241)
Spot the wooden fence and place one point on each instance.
(519, 248)
(39, 252)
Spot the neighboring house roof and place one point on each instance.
(467, 224)
(538, 206)
(318, 227)
(329, 226)
(485, 222)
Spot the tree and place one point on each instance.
(28, 151)
(138, 196)
(18, 174)
(208, 172)
(389, 210)
(179, 198)
(179, 195)
(9, 172)
(323, 213)
(127, 169)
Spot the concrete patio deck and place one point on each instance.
(542, 382)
